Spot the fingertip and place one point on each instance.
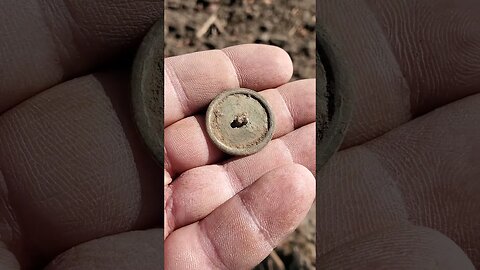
(261, 66)
(287, 192)
(301, 145)
(167, 179)
(300, 184)
(299, 97)
(283, 60)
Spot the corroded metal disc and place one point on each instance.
(147, 90)
(334, 94)
(240, 122)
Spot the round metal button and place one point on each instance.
(240, 122)
(147, 90)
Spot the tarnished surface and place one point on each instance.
(240, 122)
(147, 90)
(334, 96)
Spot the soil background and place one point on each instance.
(198, 25)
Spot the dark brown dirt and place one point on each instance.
(192, 26)
(287, 24)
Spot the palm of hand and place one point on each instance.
(406, 180)
(230, 213)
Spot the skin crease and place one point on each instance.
(245, 199)
(73, 172)
(406, 181)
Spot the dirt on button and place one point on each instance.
(192, 26)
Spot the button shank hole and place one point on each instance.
(239, 121)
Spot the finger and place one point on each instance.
(197, 192)
(44, 43)
(167, 181)
(426, 249)
(425, 172)
(193, 80)
(74, 166)
(187, 144)
(8, 261)
(243, 231)
(11, 254)
(131, 250)
(406, 57)
(445, 69)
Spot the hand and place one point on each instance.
(229, 213)
(403, 192)
(76, 183)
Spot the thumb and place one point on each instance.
(400, 247)
(130, 250)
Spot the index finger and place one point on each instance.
(193, 80)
